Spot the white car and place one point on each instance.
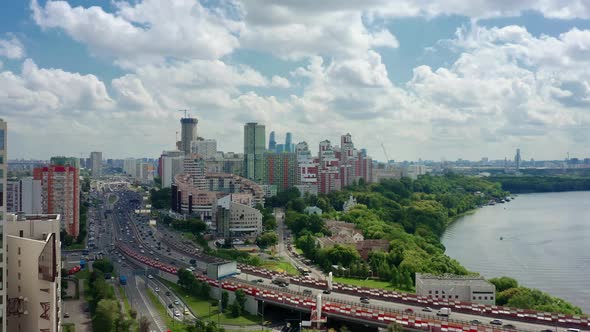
(157, 289)
(176, 313)
(150, 276)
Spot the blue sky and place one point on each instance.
(429, 79)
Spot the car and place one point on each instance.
(150, 276)
(176, 302)
(168, 293)
(365, 301)
(427, 309)
(409, 310)
(496, 322)
(66, 315)
(307, 291)
(327, 291)
(572, 330)
(170, 306)
(509, 326)
(176, 313)
(475, 322)
(547, 330)
(259, 280)
(363, 298)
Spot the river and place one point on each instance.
(545, 245)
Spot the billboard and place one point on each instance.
(221, 270)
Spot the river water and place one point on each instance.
(545, 245)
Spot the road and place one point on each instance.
(171, 255)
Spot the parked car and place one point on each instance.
(509, 326)
(427, 309)
(409, 310)
(496, 322)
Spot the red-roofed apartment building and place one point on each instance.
(60, 194)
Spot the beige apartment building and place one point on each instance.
(33, 261)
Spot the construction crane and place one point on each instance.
(185, 113)
(385, 152)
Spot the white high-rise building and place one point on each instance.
(207, 148)
(129, 166)
(3, 171)
(195, 167)
(96, 164)
(170, 167)
(24, 195)
(33, 296)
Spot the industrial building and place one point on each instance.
(456, 287)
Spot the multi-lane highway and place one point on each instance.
(163, 246)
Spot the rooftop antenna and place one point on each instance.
(185, 113)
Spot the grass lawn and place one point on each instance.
(280, 266)
(366, 283)
(171, 324)
(205, 311)
(84, 274)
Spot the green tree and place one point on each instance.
(267, 239)
(107, 312)
(504, 283)
(224, 300)
(103, 265)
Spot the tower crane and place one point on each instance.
(385, 152)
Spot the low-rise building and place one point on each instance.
(237, 220)
(365, 247)
(313, 210)
(456, 287)
(349, 204)
(33, 272)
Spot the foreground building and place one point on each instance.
(3, 173)
(32, 245)
(456, 287)
(60, 194)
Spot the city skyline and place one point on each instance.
(432, 81)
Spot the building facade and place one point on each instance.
(188, 133)
(272, 142)
(33, 272)
(237, 220)
(280, 169)
(456, 287)
(24, 195)
(328, 169)
(254, 148)
(60, 194)
(171, 166)
(3, 175)
(96, 164)
(207, 148)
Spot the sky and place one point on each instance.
(430, 79)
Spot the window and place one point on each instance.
(480, 298)
(474, 298)
(436, 292)
(19, 250)
(429, 292)
(491, 297)
(21, 233)
(485, 297)
(456, 296)
(444, 296)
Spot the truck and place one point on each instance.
(82, 264)
(445, 312)
(281, 281)
(123, 280)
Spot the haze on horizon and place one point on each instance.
(434, 79)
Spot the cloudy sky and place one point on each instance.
(429, 79)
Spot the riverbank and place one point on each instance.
(544, 238)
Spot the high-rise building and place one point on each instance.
(289, 142)
(328, 169)
(96, 164)
(194, 166)
(33, 248)
(307, 173)
(207, 148)
(254, 147)
(60, 194)
(24, 195)
(129, 166)
(66, 161)
(172, 164)
(517, 159)
(272, 142)
(280, 169)
(3, 174)
(347, 160)
(188, 133)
